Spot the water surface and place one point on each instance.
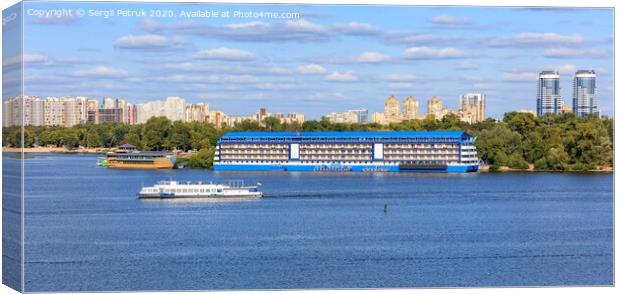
(86, 231)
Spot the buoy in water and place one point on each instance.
(385, 208)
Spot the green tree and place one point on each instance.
(156, 133)
(202, 159)
(520, 122)
(180, 137)
(272, 124)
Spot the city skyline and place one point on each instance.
(326, 61)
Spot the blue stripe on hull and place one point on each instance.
(462, 168)
(334, 168)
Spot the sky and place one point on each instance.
(331, 58)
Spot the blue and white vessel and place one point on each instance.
(414, 151)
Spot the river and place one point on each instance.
(86, 230)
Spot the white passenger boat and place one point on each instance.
(174, 189)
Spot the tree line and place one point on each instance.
(551, 142)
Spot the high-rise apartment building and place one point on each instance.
(391, 109)
(261, 114)
(122, 105)
(410, 108)
(473, 105)
(37, 111)
(342, 117)
(173, 108)
(548, 98)
(130, 114)
(216, 118)
(584, 93)
(75, 111)
(291, 118)
(196, 112)
(110, 115)
(92, 111)
(350, 116)
(379, 118)
(7, 112)
(362, 115)
(54, 111)
(434, 106)
(110, 103)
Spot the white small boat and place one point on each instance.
(174, 189)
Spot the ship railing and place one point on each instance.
(236, 183)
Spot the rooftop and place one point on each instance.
(408, 134)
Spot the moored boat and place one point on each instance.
(174, 189)
(127, 157)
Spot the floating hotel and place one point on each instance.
(128, 157)
(443, 151)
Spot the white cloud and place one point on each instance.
(179, 78)
(243, 25)
(280, 86)
(472, 78)
(482, 86)
(26, 58)
(415, 39)
(433, 53)
(186, 66)
(446, 19)
(232, 68)
(566, 68)
(101, 72)
(346, 76)
(326, 97)
(531, 75)
(255, 31)
(304, 25)
(534, 39)
(311, 69)
(400, 77)
(273, 70)
(573, 53)
(356, 28)
(400, 86)
(518, 76)
(147, 42)
(224, 53)
(234, 79)
(466, 65)
(371, 57)
(243, 79)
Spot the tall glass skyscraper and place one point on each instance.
(584, 93)
(548, 99)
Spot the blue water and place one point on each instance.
(86, 231)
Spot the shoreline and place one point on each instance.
(531, 169)
(503, 169)
(56, 150)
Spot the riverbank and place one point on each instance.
(57, 150)
(484, 169)
(600, 169)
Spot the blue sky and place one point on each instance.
(333, 58)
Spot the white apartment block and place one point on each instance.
(173, 108)
(343, 117)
